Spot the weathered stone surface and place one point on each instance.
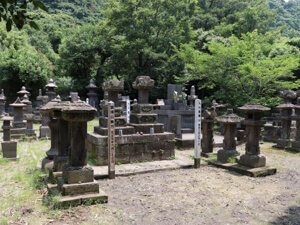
(253, 161)
(142, 108)
(50, 90)
(143, 118)
(77, 189)
(225, 155)
(9, 149)
(75, 175)
(143, 84)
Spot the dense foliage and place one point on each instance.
(237, 51)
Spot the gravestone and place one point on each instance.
(229, 120)
(172, 88)
(207, 142)
(9, 147)
(253, 123)
(192, 97)
(19, 125)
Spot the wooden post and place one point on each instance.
(111, 140)
(197, 144)
(128, 110)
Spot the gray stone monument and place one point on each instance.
(253, 123)
(37, 112)
(9, 147)
(93, 96)
(23, 92)
(207, 142)
(19, 125)
(296, 116)
(29, 125)
(192, 97)
(28, 108)
(229, 120)
(2, 104)
(50, 90)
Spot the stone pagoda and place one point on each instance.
(253, 122)
(19, 124)
(50, 90)
(23, 92)
(286, 118)
(229, 120)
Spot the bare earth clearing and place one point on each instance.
(208, 195)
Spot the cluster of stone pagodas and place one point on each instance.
(75, 179)
(143, 138)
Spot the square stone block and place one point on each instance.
(143, 118)
(9, 149)
(224, 155)
(119, 121)
(253, 161)
(142, 108)
(77, 189)
(75, 175)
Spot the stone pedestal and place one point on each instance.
(19, 125)
(9, 148)
(229, 151)
(207, 142)
(253, 123)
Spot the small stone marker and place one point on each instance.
(9, 148)
(197, 145)
(111, 141)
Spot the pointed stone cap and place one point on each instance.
(230, 117)
(113, 86)
(78, 111)
(2, 96)
(26, 100)
(91, 85)
(209, 114)
(143, 83)
(17, 103)
(51, 84)
(252, 108)
(23, 91)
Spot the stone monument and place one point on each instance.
(2, 104)
(19, 125)
(39, 104)
(296, 116)
(286, 119)
(207, 142)
(9, 147)
(192, 97)
(23, 92)
(229, 120)
(93, 96)
(28, 108)
(253, 123)
(50, 90)
(29, 125)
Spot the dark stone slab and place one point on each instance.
(9, 149)
(74, 175)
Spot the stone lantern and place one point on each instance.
(23, 92)
(192, 97)
(93, 96)
(9, 147)
(253, 123)
(229, 120)
(50, 90)
(286, 119)
(19, 125)
(113, 87)
(2, 104)
(28, 108)
(207, 142)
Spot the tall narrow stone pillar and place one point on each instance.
(296, 116)
(28, 108)
(230, 120)
(253, 123)
(286, 119)
(19, 125)
(207, 142)
(50, 90)
(2, 104)
(37, 112)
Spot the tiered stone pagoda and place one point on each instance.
(2, 104)
(50, 92)
(142, 139)
(19, 124)
(229, 120)
(286, 118)
(253, 123)
(23, 92)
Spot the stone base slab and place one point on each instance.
(145, 128)
(104, 131)
(59, 162)
(67, 201)
(244, 170)
(283, 143)
(150, 118)
(9, 149)
(73, 175)
(77, 189)
(184, 143)
(253, 161)
(224, 156)
(17, 133)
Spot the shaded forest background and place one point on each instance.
(235, 51)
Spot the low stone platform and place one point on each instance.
(251, 172)
(67, 201)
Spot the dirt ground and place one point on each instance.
(208, 195)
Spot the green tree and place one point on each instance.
(251, 69)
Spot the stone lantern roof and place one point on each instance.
(23, 91)
(51, 84)
(26, 100)
(143, 82)
(113, 85)
(7, 118)
(230, 117)
(17, 103)
(49, 105)
(285, 106)
(78, 111)
(254, 108)
(91, 85)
